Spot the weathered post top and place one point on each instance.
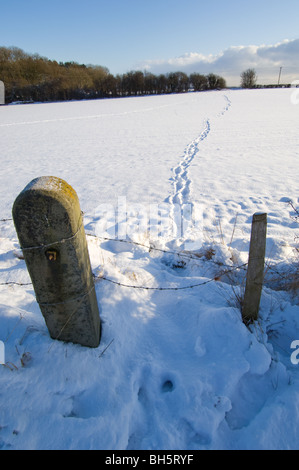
(49, 224)
(2, 93)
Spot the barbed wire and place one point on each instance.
(184, 254)
(150, 247)
(103, 278)
(58, 242)
(177, 253)
(131, 242)
(208, 281)
(285, 276)
(8, 283)
(156, 288)
(188, 255)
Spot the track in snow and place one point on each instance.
(181, 197)
(181, 179)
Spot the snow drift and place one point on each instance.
(176, 367)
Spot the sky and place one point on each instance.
(224, 37)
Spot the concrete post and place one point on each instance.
(255, 270)
(2, 93)
(49, 224)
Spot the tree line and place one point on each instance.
(30, 77)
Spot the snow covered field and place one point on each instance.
(176, 369)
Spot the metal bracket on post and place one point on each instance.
(49, 224)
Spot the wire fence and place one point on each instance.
(197, 257)
(150, 247)
(225, 270)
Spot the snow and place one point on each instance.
(175, 369)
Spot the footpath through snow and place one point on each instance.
(168, 186)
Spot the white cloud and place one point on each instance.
(230, 63)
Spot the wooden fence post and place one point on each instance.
(255, 270)
(49, 224)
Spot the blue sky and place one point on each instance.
(158, 35)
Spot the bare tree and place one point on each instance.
(35, 78)
(248, 78)
(199, 82)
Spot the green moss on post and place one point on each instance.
(49, 224)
